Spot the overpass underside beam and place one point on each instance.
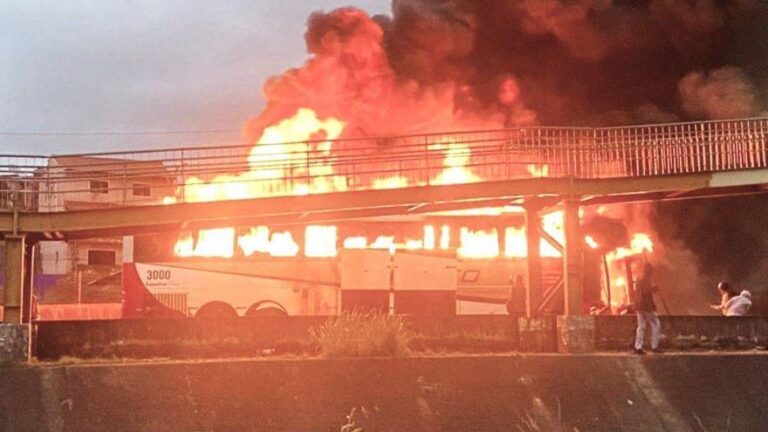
(368, 203)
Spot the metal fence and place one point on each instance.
(66, 182)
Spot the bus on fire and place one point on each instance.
(394, 278)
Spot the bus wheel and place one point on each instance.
(216, 310)
(260, 310)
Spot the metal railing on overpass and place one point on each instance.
(93, 180)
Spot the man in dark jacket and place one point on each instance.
(645, 308)
(516, 299)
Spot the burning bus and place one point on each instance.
(444, 263)
(396, 266)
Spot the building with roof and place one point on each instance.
(71, 183)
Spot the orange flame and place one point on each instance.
(515, 243)
(217, 242)
(260, 239)
(320, 241)
(355, 242)
(538, 170)
(640, 244)
(288, 159)
(478, 244)
(285, 150)
(457, 156)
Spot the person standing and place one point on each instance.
(727, 294)
(516, 300)
(645, 308)
(732, 304)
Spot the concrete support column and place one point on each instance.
(15, 274)
(501, 232)
(14, 336)
(572, 259)
(533, 241)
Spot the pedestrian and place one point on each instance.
(732, 304)
(516, 300)
(727, 294)
(645, 308)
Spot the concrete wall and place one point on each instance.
(684, 392)
(191, 338)
(686, 332)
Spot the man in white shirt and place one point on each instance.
(738, 305)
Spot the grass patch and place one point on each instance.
(362, 334)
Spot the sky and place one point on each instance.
(142, 65)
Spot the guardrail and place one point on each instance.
(64, 182)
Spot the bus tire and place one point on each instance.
(216, 310)
(266, 309)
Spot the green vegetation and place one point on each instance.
(99, 284)
(362, 334)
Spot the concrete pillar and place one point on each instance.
(533, 240)
(572, 259)
(14, 343)
(501, 236)
(576, 334)
(14, 336)
(15, 266)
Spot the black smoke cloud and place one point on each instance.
(589, 62)
(602, 62)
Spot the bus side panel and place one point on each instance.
(425, 302)
(138, 302)
(484, 286)
(365, 300)
(424, 284)
(187, 288)
(133, 295)
(365, 280)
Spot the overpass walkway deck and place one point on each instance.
(122, 193)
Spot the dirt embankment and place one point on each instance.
(520, 392)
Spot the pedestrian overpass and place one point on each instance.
(144, 192)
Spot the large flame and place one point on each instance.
(320, 241)
(293, 157)
(261, 240)
(289, 158)
(640, 245)
(478, 244)
(286, 160)
(457, 156)
(218, 242)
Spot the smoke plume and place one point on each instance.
(454, 64)
(722, 93)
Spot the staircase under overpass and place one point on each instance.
(125, 193)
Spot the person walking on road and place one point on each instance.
(645, 308)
